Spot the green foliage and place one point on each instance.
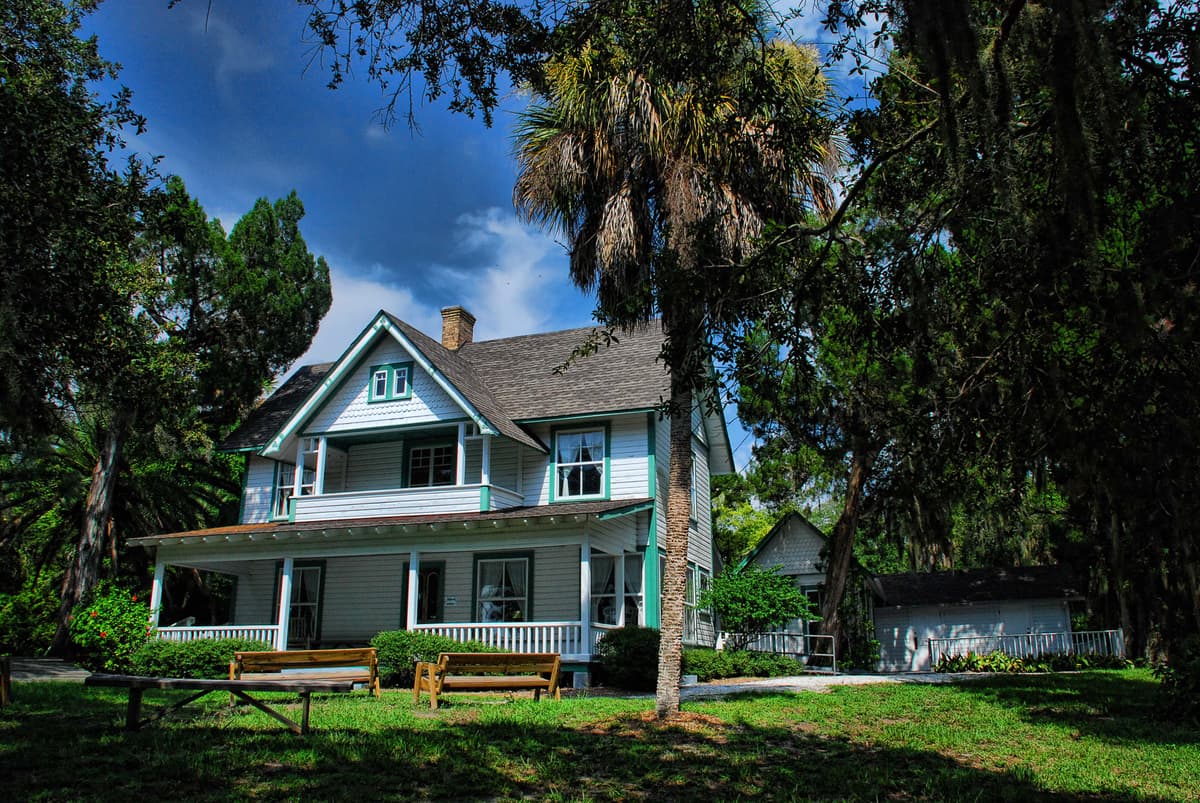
(201, 658)
(28, 619)
(1048, 662)
(110, 627)
(1180, 676)
(399, 650)
(628, 657)
(738, 529)
(708, 664)
(753, 600)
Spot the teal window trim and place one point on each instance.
(485, 498)
(390, 375)
(487, 556)
(606, 480)
(302, 564)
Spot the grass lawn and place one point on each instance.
(1086, 736)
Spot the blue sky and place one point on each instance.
(409, 221)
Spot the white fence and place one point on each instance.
(267, 633)
(1030, 645)
(817, 653)
(565, 638)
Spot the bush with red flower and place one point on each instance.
(109, 627)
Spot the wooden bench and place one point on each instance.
(238, 688)
(487, 671)
(359, 665)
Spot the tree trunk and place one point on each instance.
(83, 572)
(674, 581)
(841, 544)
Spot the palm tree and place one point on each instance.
(661, 153)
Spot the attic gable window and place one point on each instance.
(581, 464)
(390, 382)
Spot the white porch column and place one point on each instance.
(485, 471)
(461, 475)
(285, 604)
(585, 593)
(319, 480)
(156, 590)
(619, 588)
(414, 576)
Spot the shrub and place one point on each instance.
(1180, 678)
(28, 620)
(1047, 662)
(110, 627)
(399, 650)
(708, 664)
(751, 601)
(202, 658)
(629, 658)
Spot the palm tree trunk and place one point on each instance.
(81, 576)
(674, 581)
(841, 544)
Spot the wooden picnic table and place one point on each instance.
(201, 686)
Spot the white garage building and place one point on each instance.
(912, 608)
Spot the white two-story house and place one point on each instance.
(460, 487)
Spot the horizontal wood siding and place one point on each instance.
(375, 466)
(260, 484)
(400, 502)
(700, 542)
(362, 597)
(535, 482)
(474, 449)
(337, 464)
(504, 463)
(630, 477)
(254, 604)
(614, 536)
(348, 408)
(556, 584)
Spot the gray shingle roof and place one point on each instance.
(977, 585)
(561, 510)
(272, 414)
(625, 375)
(507, 380)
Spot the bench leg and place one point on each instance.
(537, 695)
(307, 697)
(133, 713)
(269, 711)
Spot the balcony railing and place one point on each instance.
(1030, 645)
(267, 633)
(565, 638)
(403, 502)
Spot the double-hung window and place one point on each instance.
(390, 382)
(431, 465)
(579, 463)
(285, 487)
(502, 589)
(605, 598)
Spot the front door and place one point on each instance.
(430, 590)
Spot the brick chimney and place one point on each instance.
(458, 326)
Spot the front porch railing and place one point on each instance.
(565, 638)
(267, 633)
(1030, 645)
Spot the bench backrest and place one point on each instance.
(293, 659)
(482, 663)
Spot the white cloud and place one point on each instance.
(237, 54)
(526, 289)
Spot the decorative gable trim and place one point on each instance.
(350, 360)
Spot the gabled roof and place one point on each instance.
(506, 381)
(625, 375)
(272, 414)
(977, 585)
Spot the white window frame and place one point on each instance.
(433, 448)
(600, 464)
(391, 375)
(503, 600)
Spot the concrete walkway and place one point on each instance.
(27, 669)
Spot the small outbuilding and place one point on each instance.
(912, 608)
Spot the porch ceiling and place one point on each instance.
(569, 511)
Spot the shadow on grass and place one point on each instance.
(63, 742)
(1116, 706)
